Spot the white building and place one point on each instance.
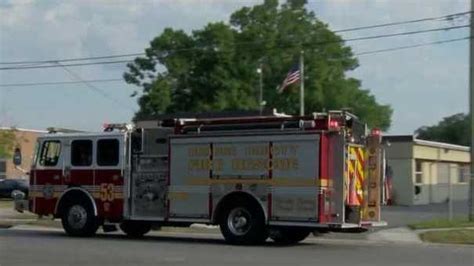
(422, 171)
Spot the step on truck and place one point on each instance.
(256, 177)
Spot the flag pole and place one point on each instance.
(301, 83)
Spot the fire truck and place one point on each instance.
(256, 177)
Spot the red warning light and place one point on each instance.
(376, 132)
(333, 125)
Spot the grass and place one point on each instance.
(9, 217)
(5, 204)
(44, 222)
(455, 236)
(441, 223)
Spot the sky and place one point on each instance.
(422, 85)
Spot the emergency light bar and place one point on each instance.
(119, 126)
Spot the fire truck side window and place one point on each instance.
(50, 153)
(81, 152)
(107, 152)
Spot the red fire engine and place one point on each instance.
(256, 177)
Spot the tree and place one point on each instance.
(214, 68)
(452, 129)
(7, 143)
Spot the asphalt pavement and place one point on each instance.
(397, 216)
(50, 246)
(53, 247)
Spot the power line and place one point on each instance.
(357, 54)
(305, 45)
(56, 83)
(76, 64)
(445, 17)
(71, 59)
(411, 46)
(403, 33)
(93, 87)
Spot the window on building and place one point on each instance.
(3, 169)
(418, 172)
(463, 174)
(108, 152)
(81, 152)
(50, 153)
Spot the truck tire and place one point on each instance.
(243, 224)
(288, 236)
(135, 229)
(78, 219)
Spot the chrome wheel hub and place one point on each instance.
(238, 221)
(77, 217)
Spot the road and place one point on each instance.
(53, 247)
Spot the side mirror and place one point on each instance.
(17, 157)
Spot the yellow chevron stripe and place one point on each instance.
(362, 154)
(360, 170)
(350, 167)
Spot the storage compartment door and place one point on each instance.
(295, 168)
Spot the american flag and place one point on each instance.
(292, 77)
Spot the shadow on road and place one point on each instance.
(155, 238)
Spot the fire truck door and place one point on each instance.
(108, 176)
(78, 166)
(46, 184)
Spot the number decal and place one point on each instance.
(107, 192)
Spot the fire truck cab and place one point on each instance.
(276, 176)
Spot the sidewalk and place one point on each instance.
(398, 234)
(406, 235)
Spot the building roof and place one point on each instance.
(436, 144)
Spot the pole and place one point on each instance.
(471, 111)
(260, 96)
(450, 196)
(302, 82)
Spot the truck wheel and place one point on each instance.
(288, 236)
(243, 224)
(78, 219)
(135, 229)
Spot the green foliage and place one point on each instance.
(7, 143)
(458, 236)
(452, 129)
(442, 223)
(214, 68)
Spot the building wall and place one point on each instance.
(402, 186)
(26, 141)
(440, 154)
(440, 167)
(399, 158)
(421, 172)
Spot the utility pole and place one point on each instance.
(302, 82)
(450, 192)
(471, 112)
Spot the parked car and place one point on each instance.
(7, 186)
